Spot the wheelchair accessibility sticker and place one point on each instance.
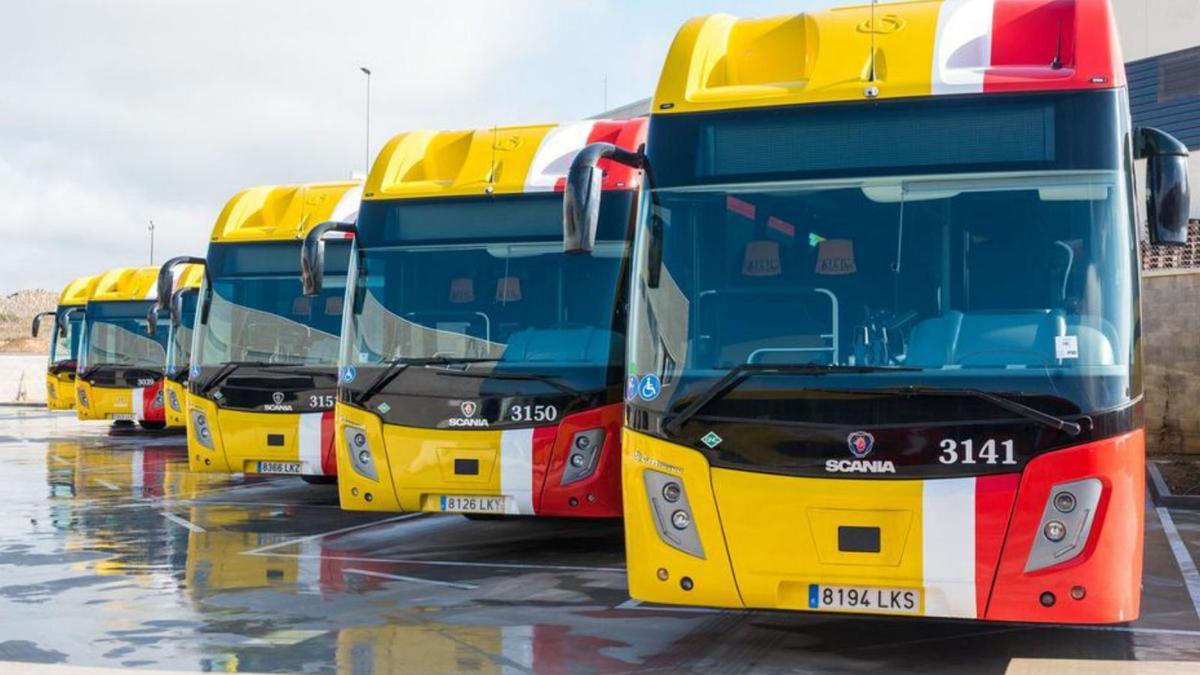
(650, 387)
(348, 374)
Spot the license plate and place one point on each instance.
(279, 467)
(864, 599)
(473, 504)
(123, 417)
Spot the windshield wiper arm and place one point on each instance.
(739, 373)
(1028, 412)
(398, 365)
(530, 377)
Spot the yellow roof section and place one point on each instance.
(125, 283)
(78, 291)
(455, 163)
(720, 61)
(189, 276)
(284, 212)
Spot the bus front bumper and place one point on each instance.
(958, 547)
(134, 404)
(236, 441)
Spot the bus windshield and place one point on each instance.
(255, 307)
(1021, 282)
(485, 280)
(65, 347)
(118, 335)
(179, 350)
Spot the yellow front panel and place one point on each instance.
(645, 552)
(244, 437)
(60, 391)
(200, 456)
(782, 534)
(357, 492)
(175, 400)
(421, 462)
(103, 402)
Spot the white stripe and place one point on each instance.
(415, 580)
(308, 440)
(948, 527)
(136, 400)
(1187, 566)
(554, 156)
(261, 550)
(308, 567)
(346, 210)
(138, 464)
(182, 522)
(516, 646)
(962, 49)
(516, 470)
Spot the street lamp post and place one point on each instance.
(151, 229)
(367, 150)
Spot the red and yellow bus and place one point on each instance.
(885, 318)
(482, 366)
(64, 343)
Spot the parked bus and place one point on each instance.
(120, 368)
(64, 342)
(885, 318)
(181, 308)
(481, 367)
(263, 371)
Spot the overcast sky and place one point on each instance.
(116, 112)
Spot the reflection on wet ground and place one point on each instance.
(113, 554)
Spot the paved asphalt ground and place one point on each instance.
(112, 554)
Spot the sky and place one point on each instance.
(119, 112)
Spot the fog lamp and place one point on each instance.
(671, 492)
(1055, 531)
(364, 456)
(577, 460)
(1064, 502)
(680, 519)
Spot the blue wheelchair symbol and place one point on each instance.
(650, 387)
(195, 371)
(348, 374)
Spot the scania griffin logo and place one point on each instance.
(468, 419)
(469, 408)
(861, 443)
(277, 397)
(277, 404)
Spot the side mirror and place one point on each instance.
(1168, 193)
(312, 255)
(581, 198)
(166, 281)
(37, 322)
(152, 321)
(177, 307)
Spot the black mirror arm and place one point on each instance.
(312, 254)
(166, 279)
(37, 321)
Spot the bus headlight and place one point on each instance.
(583, 455)
(672, 517)
(361, 458)
(83, 399)
(174, 399)
(1067, 520)
(201, 429)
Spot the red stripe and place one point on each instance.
(152, 410)
(994, 497)
(1028, 36)
(543, 449)
(627, 134)
(740, 206)
(328, 447)
(781, 226)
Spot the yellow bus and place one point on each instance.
(64, 343)
(482, 365)
(120, 369)
(263, 371)
(182, 312)
(884, 318)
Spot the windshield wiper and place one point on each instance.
(739, 373)
(227, 369)
(551, 380)
(1028, 412)
(398, 365)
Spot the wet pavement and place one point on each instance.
(113, 554)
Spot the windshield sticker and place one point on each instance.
(348, 374)
(1066, 347)
(711, 439)
(836, 257)
(650, 387)
(740, 206)
(631, 388)
(383, 408)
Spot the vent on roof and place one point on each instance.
(1179, 74)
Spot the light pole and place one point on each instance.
(367, 150)
(151, 228)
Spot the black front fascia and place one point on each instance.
(61, 367)
(119, 376)
(914, 450)
(421, 398)
(270, 389)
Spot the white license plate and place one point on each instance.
(864, 599)
(279, 467)
(473, 504)
(123, 417)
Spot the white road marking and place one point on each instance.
(445, 563)
(639, 605)
(182, 522)
(1191, 577)
(319, 535)
(415, 580)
